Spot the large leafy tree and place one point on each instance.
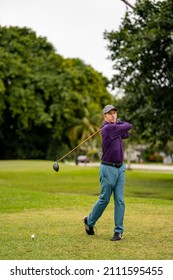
(142, 55)
(41, 95)
(28, 77)
(85, 94)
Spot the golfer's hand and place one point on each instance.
(118, 121)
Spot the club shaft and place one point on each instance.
(78, 145)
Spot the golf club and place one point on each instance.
(56, 165)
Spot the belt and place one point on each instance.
(117, 165)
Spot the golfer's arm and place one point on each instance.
(121, 129)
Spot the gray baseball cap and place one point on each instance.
(108, 108)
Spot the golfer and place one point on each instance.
(112, 172)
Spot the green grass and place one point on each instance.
(36, 200)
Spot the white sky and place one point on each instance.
(74, 27)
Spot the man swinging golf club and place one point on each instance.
(112, 172)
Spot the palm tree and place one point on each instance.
(84, 127)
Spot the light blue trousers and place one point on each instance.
(112, 180)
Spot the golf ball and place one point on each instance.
(32, 236)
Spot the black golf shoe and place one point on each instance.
(89, 230)
(117, 236)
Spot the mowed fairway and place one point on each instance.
(34, 199)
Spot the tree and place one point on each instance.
(142, 55)
(82, 128)
(87, 97)
(28, 77)
(42, 95)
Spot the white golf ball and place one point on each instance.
(32, 236)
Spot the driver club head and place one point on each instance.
(56, 166)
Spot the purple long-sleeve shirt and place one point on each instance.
(112, 144)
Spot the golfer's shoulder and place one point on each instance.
(108, 127)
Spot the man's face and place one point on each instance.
(111, 116)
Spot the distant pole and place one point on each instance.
(128, 4)
(129, 157)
